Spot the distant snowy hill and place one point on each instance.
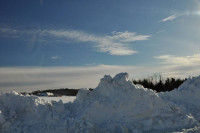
(114, 106)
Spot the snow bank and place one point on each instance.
(116, 105)
(187, 96)
(64, 99)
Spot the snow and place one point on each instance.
(64, 99)
(115, 105)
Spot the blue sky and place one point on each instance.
(138, 36)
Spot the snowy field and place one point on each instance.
(64, 99)
(114, 106)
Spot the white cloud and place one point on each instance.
(38, 78)
(127, 36)
(160, 31)
(185, 13)
(115, 44)
(181, 66)
(181, 61)
(169, 18)
(55, 57)
(34, 78)
(193, 10)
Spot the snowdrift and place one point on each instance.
(115, 105)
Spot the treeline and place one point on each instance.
(155, 82)
(56, 92)
(159, 84)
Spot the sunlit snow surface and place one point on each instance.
(64, 99)
(115, 106)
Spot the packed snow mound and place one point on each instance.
(118, 101)
(191, 92)
(30, 114)
(115, 105)
(192, 84)
(187, 96)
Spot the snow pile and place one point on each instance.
(116, 105)
(191, 92)
(187, 96)
(29, 114)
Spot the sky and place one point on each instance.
(48, 44)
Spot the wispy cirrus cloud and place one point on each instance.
(116, 43)
(169, 18)
(195, 11)
(182, 61)
(160, 31)
(180, 65)
(55, 57)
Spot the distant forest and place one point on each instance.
(159, 84)
(155, 82)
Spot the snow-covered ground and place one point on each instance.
(115, 106)
(64, 99)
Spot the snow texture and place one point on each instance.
(64, 99)
(114, 106)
